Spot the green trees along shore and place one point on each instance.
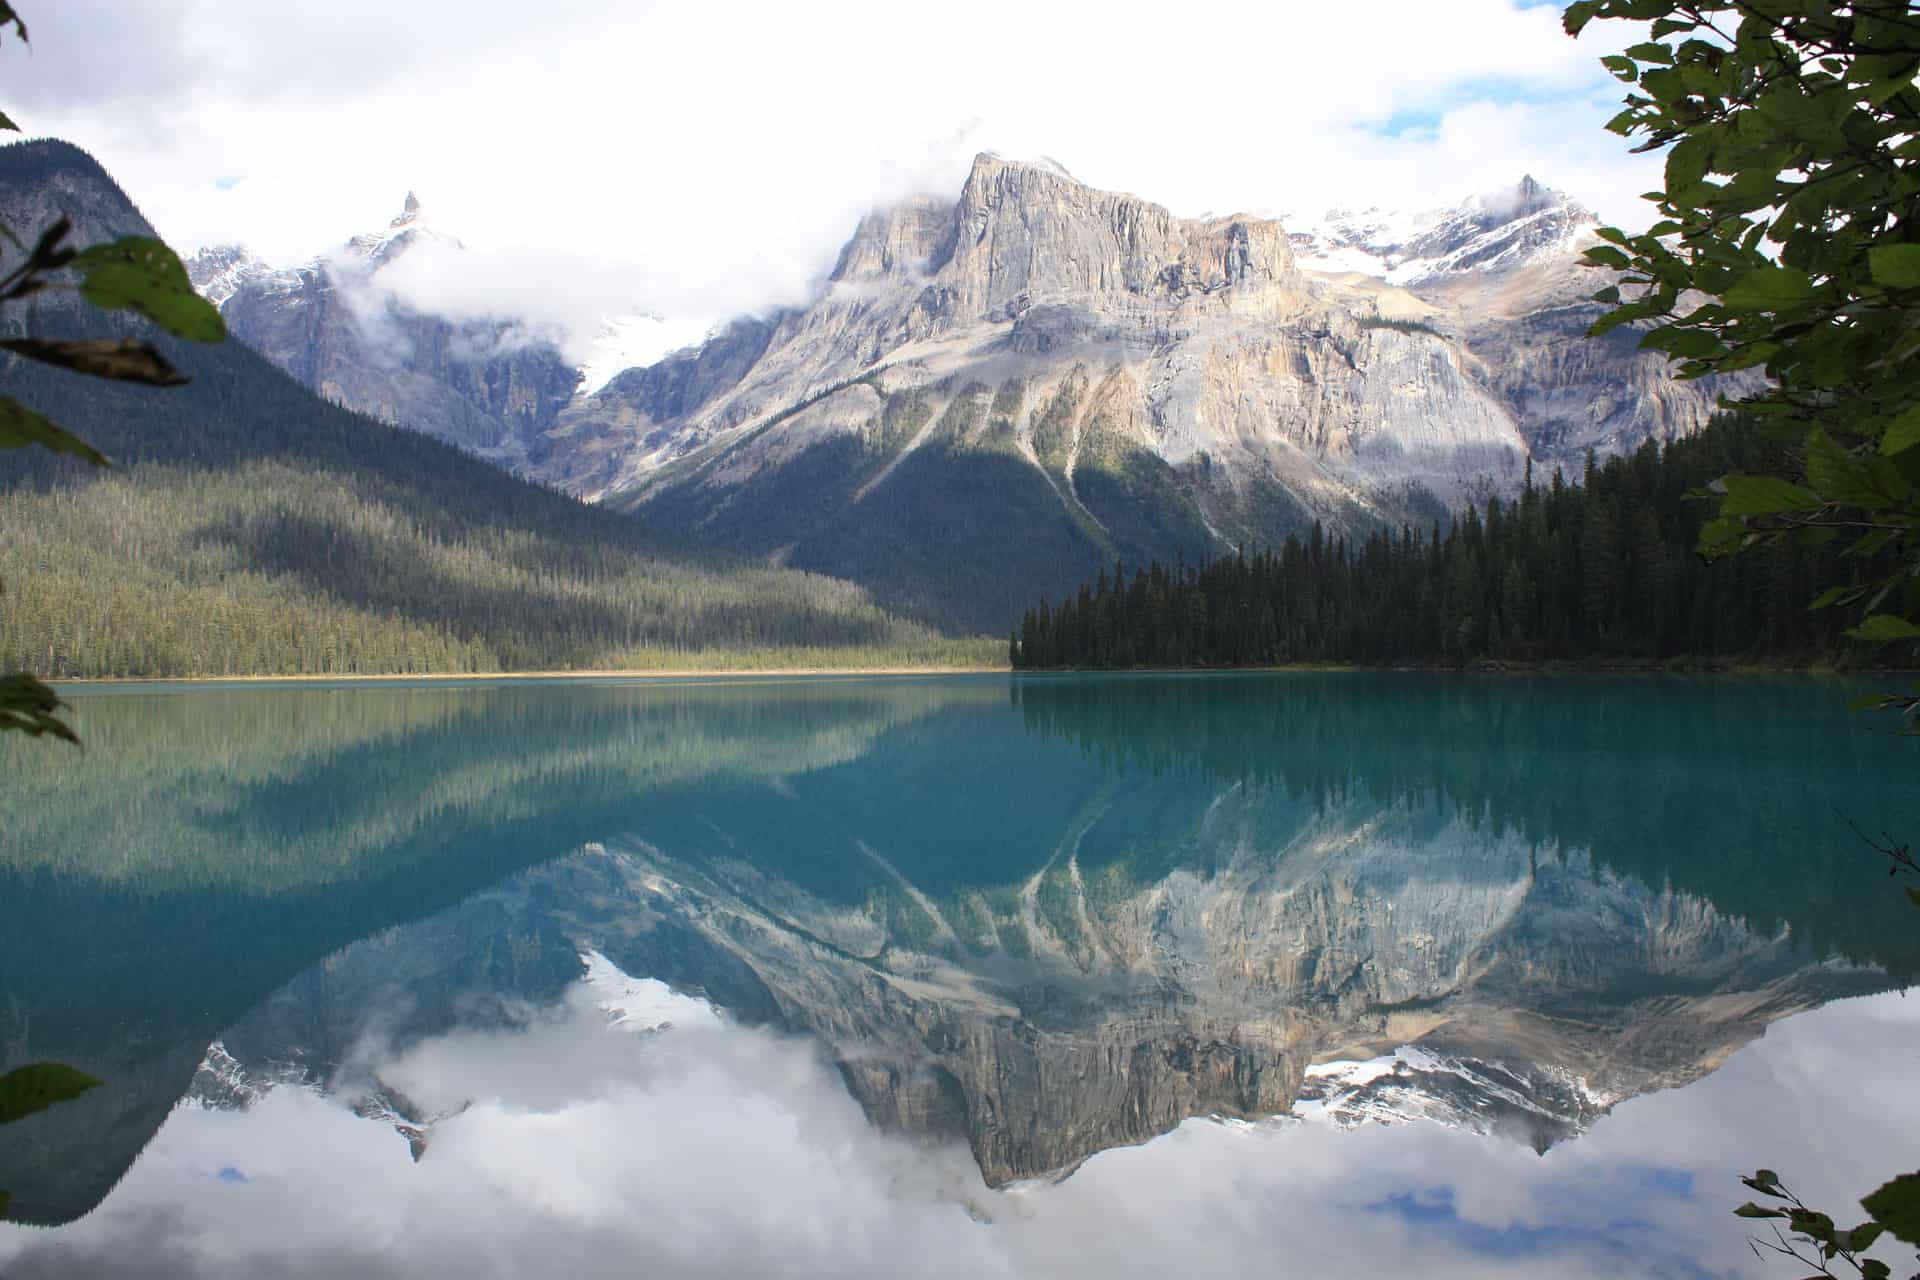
(1602, 569)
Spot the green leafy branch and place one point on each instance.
(35, 1087)
(133, 273)
(1787, 241)
(1811, 1237)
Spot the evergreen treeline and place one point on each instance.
(1602, 570)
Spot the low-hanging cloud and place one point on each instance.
(708, 160)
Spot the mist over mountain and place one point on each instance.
(992, 398)
(251, 527)
(489, 386)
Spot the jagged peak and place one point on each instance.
(1527, 196)
(410, 213)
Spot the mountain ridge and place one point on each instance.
(1114, 382)
(249, 527)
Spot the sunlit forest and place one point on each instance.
(250, 528)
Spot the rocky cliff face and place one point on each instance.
(487, 386)
(1113, 381)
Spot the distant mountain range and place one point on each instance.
(991, 397)
(250, 527)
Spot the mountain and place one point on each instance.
(253, 528)
(487, 385)
(996, 396)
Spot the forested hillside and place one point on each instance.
(251, 528)
(1599, 569)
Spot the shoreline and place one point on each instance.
(647, 673)
(739, 673)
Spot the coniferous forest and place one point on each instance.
(250, 528)
(1600, 568)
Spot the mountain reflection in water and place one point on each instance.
(1032, 925)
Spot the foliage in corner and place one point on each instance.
(35, 1087)
(1788, 241)
(133, 273)
(1812, 1238)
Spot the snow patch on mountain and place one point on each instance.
(634, 342)
(641, 1004)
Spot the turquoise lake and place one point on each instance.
(1313, 973)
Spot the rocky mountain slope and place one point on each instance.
(1006, 391)
(991, 398)
(488, 386)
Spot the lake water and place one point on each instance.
(1366, 973)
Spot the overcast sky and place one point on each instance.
(703, 159)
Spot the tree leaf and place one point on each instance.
(6, 122)
(40, 1085)
(1684, 344)
(1765, 496)
(1831, 596)
(1836, 474)
(1903, 433)
(1896, 266)
(1863, 1236)
(1578, 15)
(141, 274)
(32, 708)
(21, 426)
(1884, 628)
(1752, 1210)
(1896, 1206)
(1769, 288)
(8, 15)
(121, 359)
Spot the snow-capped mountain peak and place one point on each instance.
(409, 227)
(222, 270)
(410, 212)
(1493, 232)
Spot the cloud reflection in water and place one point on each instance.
(711, 1149)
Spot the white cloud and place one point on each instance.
(711, 157)
(711, 1150)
